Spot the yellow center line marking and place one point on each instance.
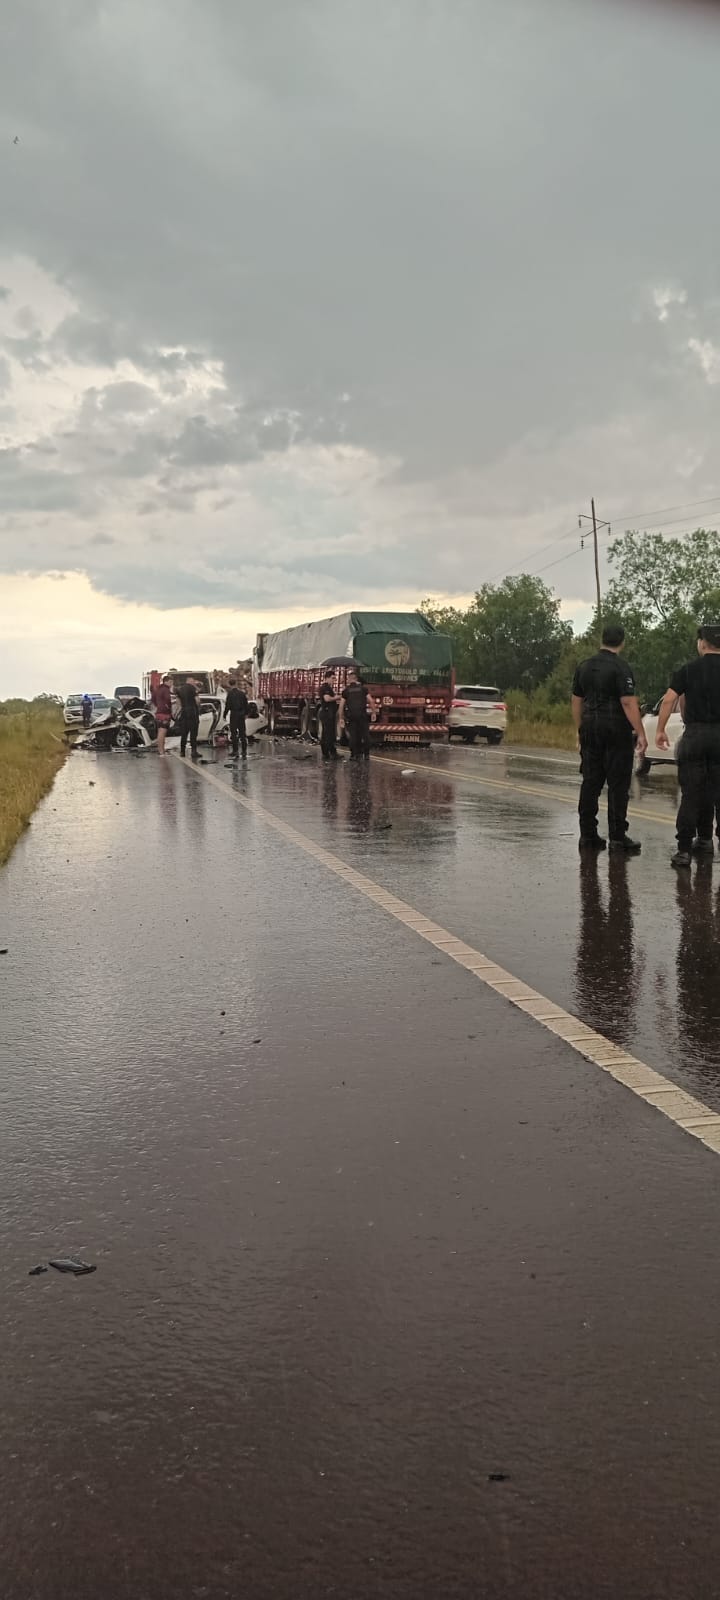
(666, 1098)
(519, 788)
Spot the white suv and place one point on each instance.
(477, 710)
(655, 757)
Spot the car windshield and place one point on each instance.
(472, 692)
(127, 690)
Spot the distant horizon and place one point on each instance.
(63, 664)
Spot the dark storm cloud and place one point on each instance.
(203, 443)
(430, 232)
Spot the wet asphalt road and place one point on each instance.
(365, 1236)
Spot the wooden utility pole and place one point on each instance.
(597, 563)
(596, 526)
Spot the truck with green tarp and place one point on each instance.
(405, 663)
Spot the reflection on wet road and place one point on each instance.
(395, 1295)
(485, 842)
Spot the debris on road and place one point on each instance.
(4, 950)
(35, 1271)
(70, 1264)
(407, 772)
(498, 1477)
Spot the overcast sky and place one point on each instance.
(310, 303)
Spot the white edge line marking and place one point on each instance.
(690, 1115)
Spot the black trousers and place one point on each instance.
(708, 815)
(359, 736)
(328, 735)
(699, 774)
(188, 730)
(238, 735)
(606, 757)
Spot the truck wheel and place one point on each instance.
(495, 737)
(470, 736)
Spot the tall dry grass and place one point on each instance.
(548, 735)
(534, 719)
(31, 753)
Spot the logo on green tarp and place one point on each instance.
(397, 652)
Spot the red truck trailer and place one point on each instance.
(405, 664)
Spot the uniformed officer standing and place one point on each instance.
(236, 710)
(698, 683)
(357, 717)
(606, 714)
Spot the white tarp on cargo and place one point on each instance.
(309, 644)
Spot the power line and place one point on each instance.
(507, 572)
(650, 516)
(556, 562)
(651, 523)
(532, 572)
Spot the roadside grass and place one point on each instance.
(553, 735)
(31, 753)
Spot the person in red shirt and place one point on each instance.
(162, 706)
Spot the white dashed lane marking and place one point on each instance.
(643, 1081)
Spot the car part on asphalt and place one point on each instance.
(80, 1269)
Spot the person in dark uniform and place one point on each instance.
(87, 707)
(189, 717)
(698, 684)
(357, 717)
(606, 714)
(328, 720)
(236, 709)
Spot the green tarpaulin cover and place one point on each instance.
(398, 647)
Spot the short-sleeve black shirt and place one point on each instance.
(355, 696)
(699, 682)
(601, 683)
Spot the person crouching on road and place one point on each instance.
(328, 720)
(698, 683)
(189, 717)
(606, 713)
(236, 710)
(357, 717)
(162, 707)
